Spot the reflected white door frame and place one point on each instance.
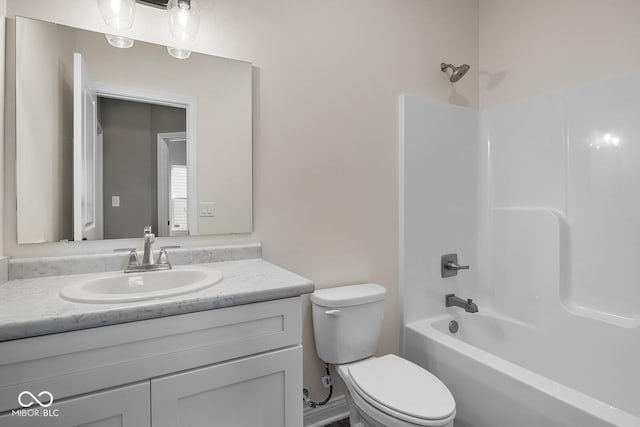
(108, 90)
(87, 155)
(164, 180)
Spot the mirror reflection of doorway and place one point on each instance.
(172, 184)
(145, 168)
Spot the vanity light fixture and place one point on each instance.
(184, 22)
(183, 15)
(118, 14)
(119, 41)
(184, 19)
(178, 53)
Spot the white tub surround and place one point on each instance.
(32, 307)
(438, 202)
(535, 196)
(26, 268)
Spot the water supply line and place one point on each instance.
(326, 380)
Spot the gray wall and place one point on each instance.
(130, 157)
(178, 153)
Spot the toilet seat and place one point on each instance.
(403, 390)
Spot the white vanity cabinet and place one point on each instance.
(254, 391)
(120, 407)
(237, 366)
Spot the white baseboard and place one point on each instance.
(336, 409)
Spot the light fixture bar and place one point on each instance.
(161, 4)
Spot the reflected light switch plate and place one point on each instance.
(206, 209)
(115, 201)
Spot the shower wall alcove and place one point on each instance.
(541, 197)
(566, 164)
(555, 181)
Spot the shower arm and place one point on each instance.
(443, 67)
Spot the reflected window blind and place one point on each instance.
(178, 197)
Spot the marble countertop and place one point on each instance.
(33, 307)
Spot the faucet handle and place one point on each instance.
(133, 255)
(133, 258)
(449, 265)
(455, 266)
(163, 257)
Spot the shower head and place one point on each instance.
(457, 72)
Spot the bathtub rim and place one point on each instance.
(572, 397)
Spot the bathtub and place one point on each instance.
(501, 375)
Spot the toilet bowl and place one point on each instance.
(392, 392)
(386, 391)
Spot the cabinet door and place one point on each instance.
(121, 407)
(263, 390)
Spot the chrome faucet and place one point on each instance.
(149, 238)
(162, 263)
(453, 301)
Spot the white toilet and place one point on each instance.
(386, 391)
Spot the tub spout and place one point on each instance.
(453, 301)
(471, 307)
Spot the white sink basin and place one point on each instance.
(129, 287)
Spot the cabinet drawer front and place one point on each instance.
(83, 361)
(121, 407)
(261, 390)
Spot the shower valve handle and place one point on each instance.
(449, 265)
(455, 266)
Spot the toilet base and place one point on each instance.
(358, 418)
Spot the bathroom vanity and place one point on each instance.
(228, 355)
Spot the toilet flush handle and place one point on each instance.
(333, 313)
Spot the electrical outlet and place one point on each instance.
(206, 209)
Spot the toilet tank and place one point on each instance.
(347, 321)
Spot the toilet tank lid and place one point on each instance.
(345, 296)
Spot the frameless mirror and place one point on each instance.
(110, 140)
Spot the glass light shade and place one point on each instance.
(178, 53)
(119, 41)
(184, 19)
(118, 14)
